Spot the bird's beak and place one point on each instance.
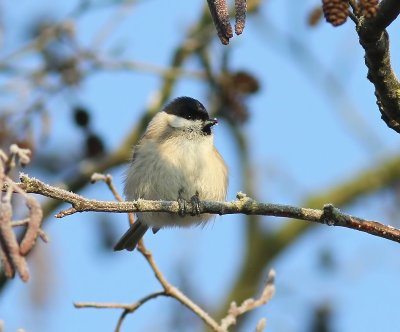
(210, 122)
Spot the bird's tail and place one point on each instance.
(132, 236)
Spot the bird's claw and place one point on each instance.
(195, 200)
(182, 204)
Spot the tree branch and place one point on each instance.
(387, 13)
(244, 205)
(126, 306)
(250, 304)
(375, 40)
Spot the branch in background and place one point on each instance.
(171, 291)
(130, 307)
(244, 205)
(250, 304)
(108, 180)
(375, 40)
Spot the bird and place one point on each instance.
(175, 159)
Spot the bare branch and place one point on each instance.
(375, 40)
(25, 222)
(109, 181)
(250, 304)
(261, 325)
(243, 204)
(23, 155)
(172, 291)
(126, 306)
(387, 13)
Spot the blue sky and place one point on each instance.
(302, 143)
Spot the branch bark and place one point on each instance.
(329, 215)
(375, 40)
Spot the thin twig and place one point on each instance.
(109, 181)
(353, 18)
(126, 306)
(261, 325)
(24, 222)
(354, 7)
(172, 291)
(249, 304)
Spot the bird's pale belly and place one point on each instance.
(169, 189)
(164, 178)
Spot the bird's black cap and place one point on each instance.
(188, 108)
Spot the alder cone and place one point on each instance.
(335, 11)
(368, 8)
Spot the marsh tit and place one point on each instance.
(175, 160)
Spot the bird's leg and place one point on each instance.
(181, 203)
(195, 200)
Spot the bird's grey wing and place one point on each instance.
(131, 237)
(136, 231)
(136, 148)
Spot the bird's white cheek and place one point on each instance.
(178, 122)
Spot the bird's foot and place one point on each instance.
(181, 203)
(195, 200)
